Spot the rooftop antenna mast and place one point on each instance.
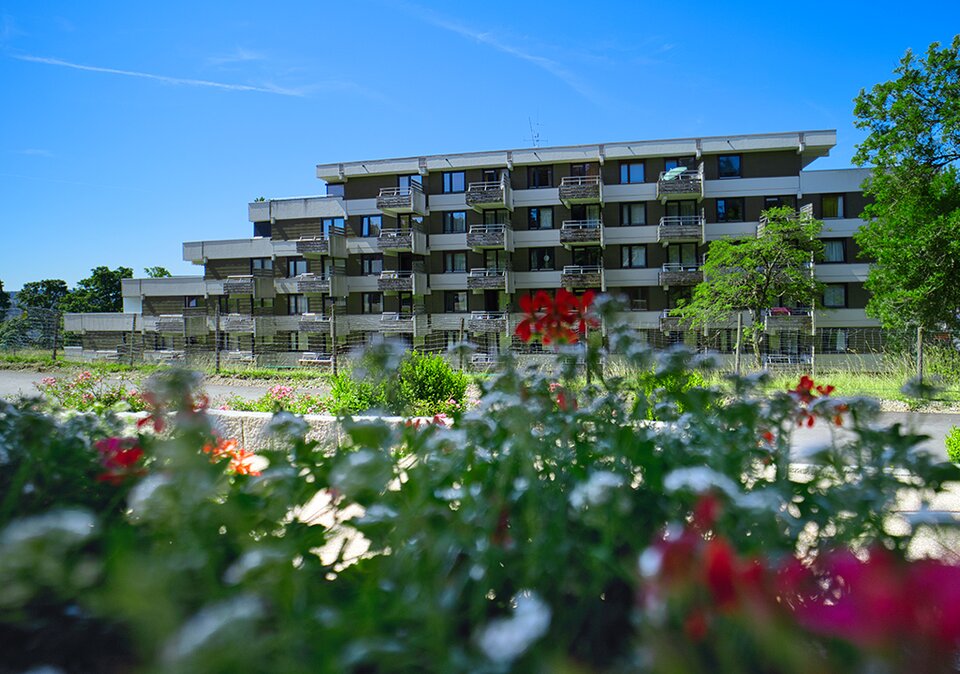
(535, 138)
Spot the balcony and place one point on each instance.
(780, 319)
(334, 244)
(581, 190)
(800, 218)
(492, 195)
(244, 323)
(680, 183)
(491, 237)
(670, 323)
(257, 285)
(402, 200)
(494, 278)
(680, 274)
(315, 323)
(402, 241)
(487, 321)
(581, 233)
(404, 322)
(394, 281)
(583, 277)
(322, 284)
(186, 324)
(679, 228)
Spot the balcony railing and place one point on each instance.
(411, 322)
(316, 323)
(669, 323)
(680, 274)
(259, 284)
(402, 240)
(173, 323)
(779, 319)
(490, 236)
(676, 228)
(680, 184)
(581, 233)
(804, 215)
(487, 321)
(581, 190)
(313, 283)
(237, 323)
(583, 276)
(397, 200)
(393, 281)
(332, 245)
(491, 194)
(492, 278)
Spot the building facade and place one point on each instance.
(438, 248)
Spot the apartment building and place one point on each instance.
(431, 249)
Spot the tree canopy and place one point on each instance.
(99, 292)
(157, 272)
(753, 275)
(46, 294)
(912, 231)
(4, 301)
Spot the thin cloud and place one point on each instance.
(182, 81)
(551, 66)
(35, 152)
(239, 55)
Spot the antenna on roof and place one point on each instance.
(535, 138)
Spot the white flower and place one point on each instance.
(66, 526)
(596, 490)
(210, 621)
(503, 640)
(698, 480)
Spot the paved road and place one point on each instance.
(13, 383)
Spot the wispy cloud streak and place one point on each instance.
(180, 81)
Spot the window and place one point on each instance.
(370, 225)
(496, 216)
(328, 224)
(684, 254)
(586, 257)
(832, 205)
(684, 208)
(264, 229)
(834, 250)
(453, 181)
(633, 257)
(631, 172)
(730, 210)
(540, 217)
(371, 303)
(335, 190)
(676, 162)
(296, 266)
(371, 264)
(454, 222)
(542, 259)
(407, 222)
(579, 170)
(728, 166)
(496, 259)
(261, 264)
(296, 305)
(404, 182)
(539, 176)
(455, 301)
(633, 214)
(490, 176)
(191, 302)
(835, 295)
(455, 262)
(775, 202)
(833, 340)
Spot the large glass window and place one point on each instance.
(542, 259)
(633, 214)
(579, 170)
(371, 303)
(261, 264)
(264, 229)
(404, 182)
(296, 305)
(631, 172)
(371, 225)
(539, 176)
(371, 264)
(728, 166)
(676, 162)
(454, 222)
(540, 217)
(832, 206)
(455, 262)
(835, 295)
(455, 301)
(633, 257)
(328, 224)
(191, 302)
(335, 189)
(683, 254)
(296, 266)
(833, 340)
(453, 181)
(685, 208)
(730, 210)
(834, 250)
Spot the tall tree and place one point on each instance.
(99, 292)
(45, 294)
(4, 302)
(754, 275)
(913, 223)
(157, 272)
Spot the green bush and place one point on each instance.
(351, 394)
(428, 384)
(952, 443)
(663, 394)
(280, 398)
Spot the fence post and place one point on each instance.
(133, 336)
(813, 343)
(56, 331)
(920, 354)
(216, 337)
(333, 339)
(736, 348)
(460, 340)
(586, 348)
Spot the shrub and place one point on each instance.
(280, 398)
(351, 394)
(429, 385)
(91, 391)
(952, 443)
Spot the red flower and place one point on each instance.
(119, 457)
(240, 460)
(561, 319)
(805, 397)
(720, 571)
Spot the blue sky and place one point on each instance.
(128, 128)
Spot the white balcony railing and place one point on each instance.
(581, 270)
(580, 225)
(579, 181)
